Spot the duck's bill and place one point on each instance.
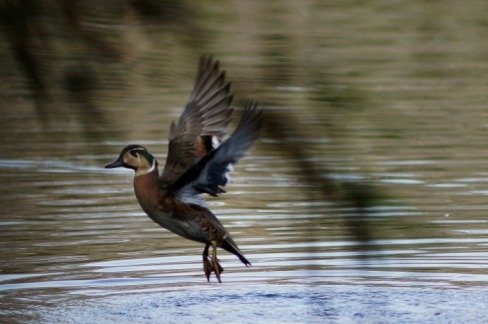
(115, 164)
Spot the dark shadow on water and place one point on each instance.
(20, 20)
(80, 83)
(344, 194)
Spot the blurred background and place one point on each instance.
(363, 200)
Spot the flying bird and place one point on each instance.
(198, 162)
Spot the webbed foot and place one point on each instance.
(211, 264)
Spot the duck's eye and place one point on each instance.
(133, 153)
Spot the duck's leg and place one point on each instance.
(207, 265)
(215, 262)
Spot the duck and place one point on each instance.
(200, 157)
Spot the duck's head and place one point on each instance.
(135, 157)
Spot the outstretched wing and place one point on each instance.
(209, 174)
(203, 121)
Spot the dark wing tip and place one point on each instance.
(206, 61)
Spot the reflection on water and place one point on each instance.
(390, 118)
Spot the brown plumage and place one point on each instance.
(206, 115)
(197, 162)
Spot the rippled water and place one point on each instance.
(384, 103)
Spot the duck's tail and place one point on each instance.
(230, 246)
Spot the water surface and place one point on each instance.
(386, 97)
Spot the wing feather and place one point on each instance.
(207, 114)
(209, 174)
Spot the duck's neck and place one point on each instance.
(148, 190)
(145, 167)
